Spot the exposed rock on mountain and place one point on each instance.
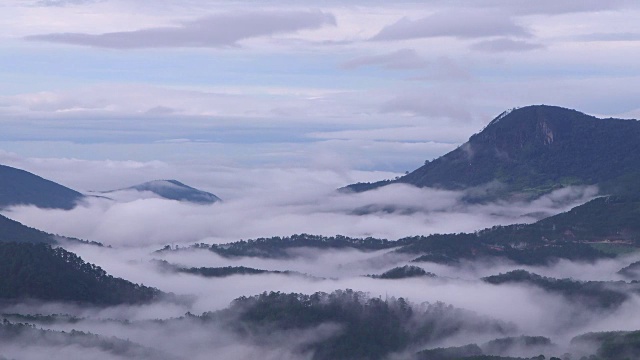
(533, 150)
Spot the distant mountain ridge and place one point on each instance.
(20, 187)
(173, 190)
(595, 230)
(533, 150)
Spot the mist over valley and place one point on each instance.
(407, 180)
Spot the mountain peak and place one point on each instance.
(175, 190)
(170, 183)
(535, 149)
(501, 116)
(535, 113)
(530, 127)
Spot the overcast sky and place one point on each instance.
(368, 85)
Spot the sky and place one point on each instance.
(371, 89)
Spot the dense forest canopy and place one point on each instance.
(43, 272)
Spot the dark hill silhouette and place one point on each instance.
(19, 187)
(534, 150)
(13, 231)
(587, 232)
(42, 272)
(174, 190)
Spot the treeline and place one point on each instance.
(42, 272)
(452, 248)
(531, 344)
(368, 327)
(13, 231)
(569, 235)
(563, 236)
(597, 294)
(223, 271)
(21, 334)
(613, 345)
(356, 326)
(403, 272)
(631, 271)
(279, 247)
(440, 248)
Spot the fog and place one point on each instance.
(135, 225)
(529, 310)
(273, 106)
(390, 212)
(341, 269)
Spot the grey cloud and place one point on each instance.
(459, 24)
(553, 7)
(65, 2)
(218, 30)
(547, 7)
(397, 60)
(505, 45)
(624, 36)
(445, 69)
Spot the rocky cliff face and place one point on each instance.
(530, 128)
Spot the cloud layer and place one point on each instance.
(274, 106)
(264, 207)
(211, 31)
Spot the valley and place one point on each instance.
(562, 284)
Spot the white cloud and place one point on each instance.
(220, 30)
(283, 206)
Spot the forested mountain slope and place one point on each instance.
(41, 272)
(13, 231)
(536, 149)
